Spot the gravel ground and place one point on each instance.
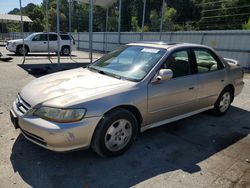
(200, 151)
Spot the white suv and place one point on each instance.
(38, 42)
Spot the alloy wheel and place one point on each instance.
(225, 101)
(118, 135)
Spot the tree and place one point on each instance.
(134, 24)
(247, 25)
(179, 15)
(168, 24)
(155, 21)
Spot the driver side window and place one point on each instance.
(36, 38)
(40, 37)
(179, 63)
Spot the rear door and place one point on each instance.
(53, 42)
(177, 96)
(211, 76)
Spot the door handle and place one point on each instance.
(222, 80)
(44, 42)
(191, 88)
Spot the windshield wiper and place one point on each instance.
(104, 73)
(109, 74)
(92, 69)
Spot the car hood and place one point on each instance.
(71, 87)
(17, 40)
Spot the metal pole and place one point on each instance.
(58, 31)
(119, 22)
(90, 30)
(162, 14)
(20, 1)
(70, 3)
(143, 18)
(106, 34)
(47, 26)
(1, 26)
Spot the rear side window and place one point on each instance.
(52, 37)
(205, 61)
(65, 37)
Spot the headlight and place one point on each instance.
(60, 115)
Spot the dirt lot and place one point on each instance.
(200, 151)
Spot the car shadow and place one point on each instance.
(180, 145)
(38, 70)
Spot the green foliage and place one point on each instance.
(134, 24)
(154, 20)
(247, 25)
(178, 15)
(168, 16)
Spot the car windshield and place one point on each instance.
(128, 62)
(30, 36)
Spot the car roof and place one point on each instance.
(51, 33)
(164, 44)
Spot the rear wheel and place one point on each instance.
(65, 50)
(20, 50)
(224, 101)
(115, 133)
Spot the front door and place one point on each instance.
(39, 43)
(177, 96)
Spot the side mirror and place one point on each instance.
(164, 74)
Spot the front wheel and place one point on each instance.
(20, 50)
(115, 133)
(224, 101)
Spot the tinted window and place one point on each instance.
(52, 37)
(179, 63)
(65, 37)
(205, 61)
(40, 37)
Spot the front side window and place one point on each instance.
(179, 63)
(129, 62)
(30, 37)
(40, 37)
(205, 61)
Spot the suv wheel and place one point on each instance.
(20, 51)
(65, 50)
(115, 133)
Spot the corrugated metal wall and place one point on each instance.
(232, 43)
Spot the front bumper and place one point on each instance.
(11, 48)
(56, 136)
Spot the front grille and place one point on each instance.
(22, 105)
(33, 137)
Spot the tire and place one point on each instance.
(115, 133)
(223, 102)
(65, 51)
(20, 48)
